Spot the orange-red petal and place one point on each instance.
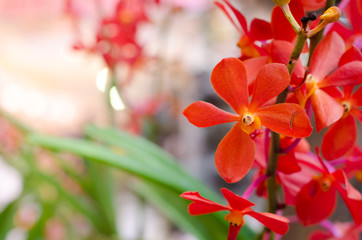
(312, 5)
(223, 8)
(203, 114)
(326, 56)
(236, 202)
(253, 66)
(288, 164)
(239, 16)
(235, 155)
(271, 80)
(339, 138)
(201, 205)
(276, 223)
(352, 198)
(349, 74)
(229, 81)
(352, 54)
(326, 109)
(288, 119)
(260, 30)
(280, 52)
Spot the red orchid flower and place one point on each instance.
(316, 200)
(235, 153)
(342, 135)
(238, 207)
(116, 38)
(325, 59)
(260, 30)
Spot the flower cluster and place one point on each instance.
(273, 95)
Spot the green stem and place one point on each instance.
(318, 37)
(275, 144)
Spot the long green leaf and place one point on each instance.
(102, 190)
(150, 154)
(102, 154)
(6, 218)
(131, 154)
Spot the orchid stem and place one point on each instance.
(275, 137)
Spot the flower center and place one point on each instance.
(325, 182)
(250, 123)
(346, 106)
(311, 86)
(248, 119)
(235, 218)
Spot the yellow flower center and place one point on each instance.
(235, 218)
(250, 122)
(325, 182)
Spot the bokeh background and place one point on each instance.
(53, 79)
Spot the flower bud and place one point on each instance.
(332, 14)
(281, 2)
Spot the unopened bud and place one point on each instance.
(281, 2)
(332, 14)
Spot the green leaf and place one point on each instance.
(102, 190)
(7, 217)
(149, 154)
(146, 160)
(37, 231)
(115, 158)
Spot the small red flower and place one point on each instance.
(238, 207)
(316, 200)
(325, 59)
(342, 135)
(235, 153)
